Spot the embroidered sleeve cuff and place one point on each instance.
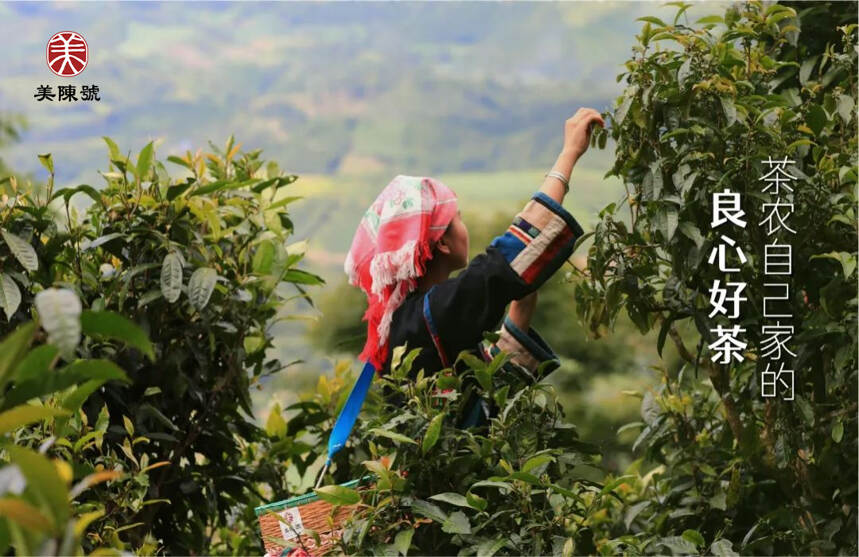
(540, 239)
(530, 354)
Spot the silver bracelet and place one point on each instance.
(561, 177)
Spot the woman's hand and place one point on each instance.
(522, 310)
(577, 131)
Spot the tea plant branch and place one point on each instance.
(678, 341)
(198, 426)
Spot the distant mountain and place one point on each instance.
(322, 87)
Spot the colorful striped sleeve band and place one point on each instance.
(541, 237)
(528, 351)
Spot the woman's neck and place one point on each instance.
(437, 271)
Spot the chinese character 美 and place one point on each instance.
(727, 203)
(44, 92)
(769, 378)
(67, 93)
(718, 297)
(775, 299)
(727, 345)
(777, 180)
(89, 93)
(775, 212)
(776, 263)
(720, 251)
(773, 343)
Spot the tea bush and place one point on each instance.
(54, 457)
(705, 104)
(201, 264)
(521, 484)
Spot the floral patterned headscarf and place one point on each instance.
(390, 249)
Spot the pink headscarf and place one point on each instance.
(390, 249)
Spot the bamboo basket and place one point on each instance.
(302, 513)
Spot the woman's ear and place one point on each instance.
(443, 244)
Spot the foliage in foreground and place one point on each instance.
(773, 476)
(46, 479)
(524, 484)
(201, 264)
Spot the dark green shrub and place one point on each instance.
(524, 484)
(202, 265)
(767, 476)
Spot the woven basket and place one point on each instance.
(302, 513)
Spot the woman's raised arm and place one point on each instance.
(576, 140)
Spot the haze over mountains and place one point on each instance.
(322, 87)
(345, 95)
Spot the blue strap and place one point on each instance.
(346, 420)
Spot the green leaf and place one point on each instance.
(475, 501)
(403, 540)
(684, 71)
(60, 315)
(47, 162)
(679, 545)
(68, 193)
(13, 347)
(649, 408)
(112, 325)
(668, 221)
(536, 461)
(729, 109)
(719, 501)
(76, 372)
(171, 277)
(129, 425)
(298, 276)
(432, 433)
(144, 161)
(44, 481)
(26, 414)
(263, 257)
(200, 286)
(633, 512)
(37, 362)
(846, 107)
(805, 69)
(112, 148)
(837, 431)
(652, 19)
(490, 547)
(10, 295)
(399, 437)
(77, 397)
(503, 486)
(452, 498)
(816, 119)
(101, 240)
(338, 495)
(275, 426)
(723, 548)
(525, 477)
(177, 160)
(22, 250)
(623, 109)
(695, 537)
(710, 19)
(383, 475)
(429, 510)
(456, 523)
